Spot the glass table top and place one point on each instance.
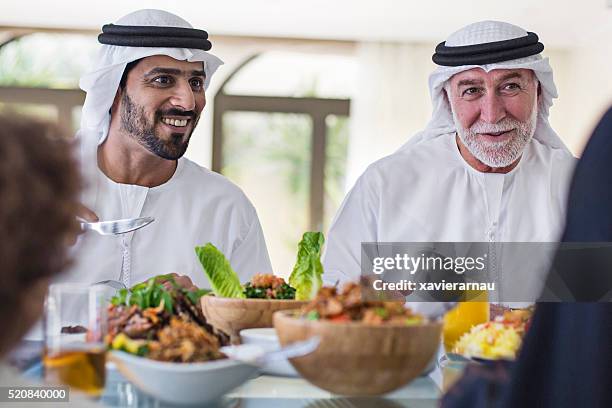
(270, 392)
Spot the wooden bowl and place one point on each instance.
(232, 315)
(358, 359)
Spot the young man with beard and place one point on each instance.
(487, 168)
(144, 99)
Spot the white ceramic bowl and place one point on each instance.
(267, 339)
(183, 383)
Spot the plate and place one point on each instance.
(183, 383)
(267, 339)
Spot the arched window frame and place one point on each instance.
(318, 109)
(64, 100)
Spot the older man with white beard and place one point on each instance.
(487, 168)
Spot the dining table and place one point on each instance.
(270, 392)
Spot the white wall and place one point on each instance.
(588, 92)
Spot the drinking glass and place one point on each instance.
(74, 328)
(463, 317)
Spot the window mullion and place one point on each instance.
(317, 170)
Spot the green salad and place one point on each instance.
(152, 292)
(304, 282)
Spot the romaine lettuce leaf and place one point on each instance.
(223, 280)
(307, 273)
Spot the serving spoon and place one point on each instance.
(112, 283)
(253, 354)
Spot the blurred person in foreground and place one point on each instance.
(566, 358)
(145, 95)
(39, 187)
(488, 167)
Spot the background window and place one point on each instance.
(281, 124)
(39, 75)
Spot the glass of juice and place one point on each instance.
(74, 328)
(464, 316)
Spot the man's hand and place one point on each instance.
(84, 213)
(183, 281)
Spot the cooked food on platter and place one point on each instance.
(162, 322)
(367, 347)
(349, 305)
(162, 343)
(498, 339)
(268, 286)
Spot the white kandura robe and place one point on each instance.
(194, 207)
(427, 192)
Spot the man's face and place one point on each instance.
(495, 113)
(161, 103)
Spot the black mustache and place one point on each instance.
(176, 112)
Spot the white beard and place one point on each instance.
(503, 153)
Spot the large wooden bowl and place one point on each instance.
(359, 359)
(232, 315)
